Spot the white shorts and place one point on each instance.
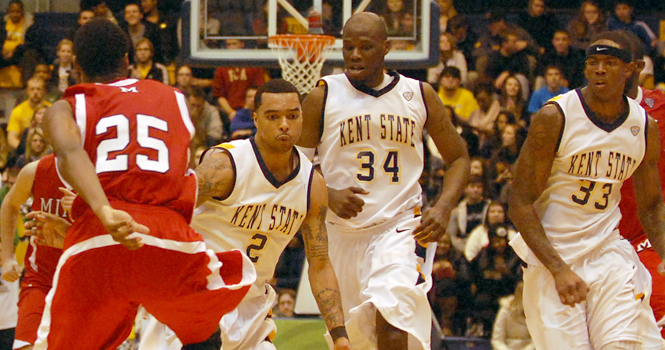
(245, 328)
(378, 269)
(616, 309)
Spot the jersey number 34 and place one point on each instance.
(367, 161)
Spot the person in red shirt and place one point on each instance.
(122, 144)
(230, 84)
(39, 180)
(653, 101)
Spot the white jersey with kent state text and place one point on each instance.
(373, 139)
(579, 209)
(261, 215)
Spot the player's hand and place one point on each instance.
(432, 226)
(346, 203)
(121, 226)
(571, 288)
(48, 229)
(67, 199)
(342, 344)
(11, 271)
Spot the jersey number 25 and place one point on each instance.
(121, 141)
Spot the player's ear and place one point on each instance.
(386, 47)
(630, 68)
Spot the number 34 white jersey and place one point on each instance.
(580, 207)
(261, 215)
(373, 140)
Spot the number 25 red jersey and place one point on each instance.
(137, 135)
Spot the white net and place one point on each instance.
(301, 58)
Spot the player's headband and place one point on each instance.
(621, 54)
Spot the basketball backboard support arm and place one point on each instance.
(423, 54)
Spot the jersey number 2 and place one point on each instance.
(258, 243)
(121, 141)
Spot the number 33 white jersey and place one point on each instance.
(373, 140)
(579, 209)
(261, 215)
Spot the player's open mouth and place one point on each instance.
(356, 69)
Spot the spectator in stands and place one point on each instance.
(502, 159)
(35, 123)
(12, 33)
(145, 67)
(466, 132)
(167, 29)
(183, 78)
(230, 84)
(496, 271)
(469, 213)
(206, 120)
(138, 29)
(511, 99)
(458, 26)
(394, 13)
(36, 147)
(479, 237)
(449, 56)
(492, 40)
(242, 126)
(553, 87)
(452, 94)
(100, 9)
(451, 284)
(44, 72)
(63, 74)
(286, 302)
(509, 61)
(22, 114)
(624, 20)
(569, 59)
(493, 140)
(483, 118)
(447, 11)
(510, 332)
(289, 267)
(539, 23)
(588, 23)
(85, 15)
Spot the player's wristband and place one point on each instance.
(338, 332)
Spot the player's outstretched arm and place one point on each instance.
(456, 157)
(9, 213)
(216, 176)
(321, 274)
(75, 166)
(531, 174)
(648, 193)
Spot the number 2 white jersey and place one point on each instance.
(261, 215)
(579, 209)
(373, 140)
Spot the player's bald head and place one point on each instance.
(366, 24)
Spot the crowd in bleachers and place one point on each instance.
(492, 77)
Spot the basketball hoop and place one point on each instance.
(301, 57)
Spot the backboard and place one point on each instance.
(235, 32)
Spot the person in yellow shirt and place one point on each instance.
(452, 94)
(15, 25)
(21, 115)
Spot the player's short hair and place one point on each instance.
(100, 47)
(274, 86)
(636, 46)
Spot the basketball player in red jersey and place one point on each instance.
(122, 144)
(40, 180)
(653, 101)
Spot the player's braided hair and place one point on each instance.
(99, 47)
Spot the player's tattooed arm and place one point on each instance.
(648, 192)
(531, 174)
(321, 274)
(216, 176)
